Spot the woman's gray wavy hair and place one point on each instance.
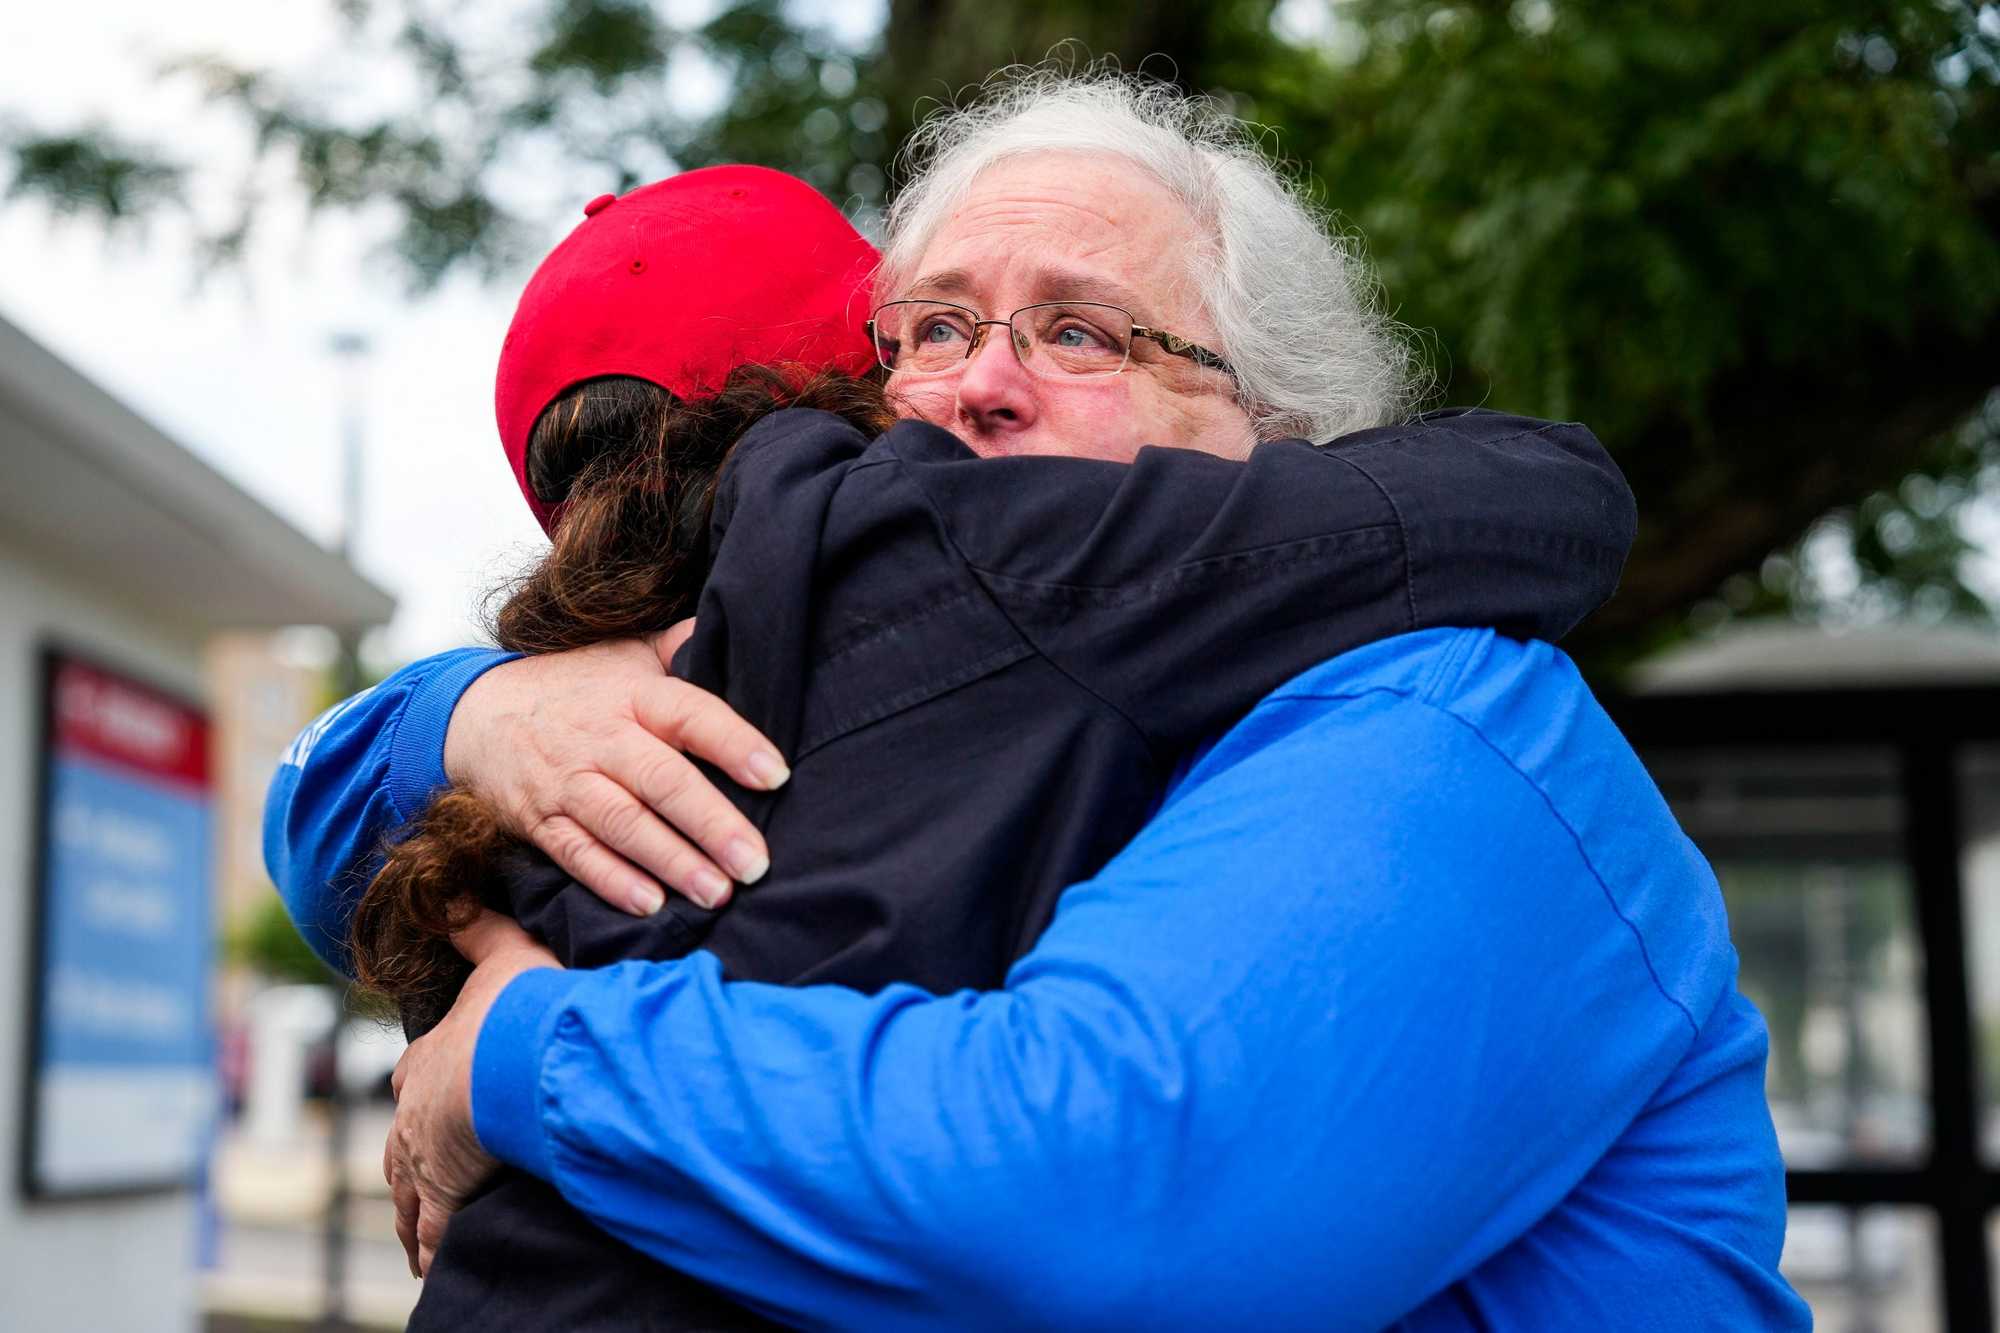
(1297, 307)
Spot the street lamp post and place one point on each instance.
(351, 350)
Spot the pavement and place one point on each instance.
(271, 1199)
(271, 1203)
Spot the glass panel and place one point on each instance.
(1808, 846)
(1979, 774)
(1865, 1270)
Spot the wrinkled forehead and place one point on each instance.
(1040, 280)
(1059, 226)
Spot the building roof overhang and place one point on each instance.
(92, 487)
(1785, 656)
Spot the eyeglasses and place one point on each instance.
(1056, 339)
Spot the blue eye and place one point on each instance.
(937, 331)
(1075, 334)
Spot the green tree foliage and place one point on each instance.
(92, 171)
(1757, 246)
(263, 937)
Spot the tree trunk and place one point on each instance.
(940, 48)
(1787, 448)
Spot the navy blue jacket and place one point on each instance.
(984, 672)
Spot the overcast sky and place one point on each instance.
(239, 371)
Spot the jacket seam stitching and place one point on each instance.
(846, 645)
(976, 670)
(1235, 564)
(1335, 449)
(950, 539)
(1583, 853)
(1402, 528)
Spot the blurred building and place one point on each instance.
(1846, 788)
(122, 557)
(261, 699)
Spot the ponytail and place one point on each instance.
(634, 470)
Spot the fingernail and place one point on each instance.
(767, 769)
(745, 861)
(647, 900)
(710, 888)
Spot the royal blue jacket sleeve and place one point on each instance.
(1359, 1007)
(359, 770)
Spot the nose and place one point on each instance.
(996, 394)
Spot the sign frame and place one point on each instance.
(51, 654)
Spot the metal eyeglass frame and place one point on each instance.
(1171, 342)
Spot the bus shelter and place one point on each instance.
(1846, 788)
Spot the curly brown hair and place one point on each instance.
(634, 468)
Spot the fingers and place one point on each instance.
(403, 1190)
(691, 719)
(633, 830)
(430, 1234)
(595, 866)
(666, 783)
(638, 814)
(407, 1233)
(406, 1225)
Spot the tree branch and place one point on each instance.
(1786, 448)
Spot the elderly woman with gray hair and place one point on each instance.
(1410, 1006)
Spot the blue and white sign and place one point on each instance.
(123, 1084)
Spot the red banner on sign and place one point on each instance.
(111, 718)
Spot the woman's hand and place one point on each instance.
(582, 753)
(433, 1161)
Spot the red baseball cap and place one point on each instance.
(678, 283)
